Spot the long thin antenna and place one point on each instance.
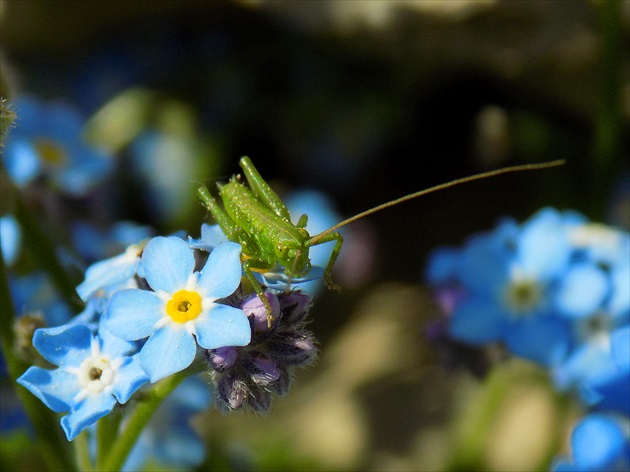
(443, 186)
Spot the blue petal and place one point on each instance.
(589, 364)
(613, 393)
(89, 411)
(211, 236)
(192, 394)
(63, 345)
(478, 322)
(619, 303)
(544, 246)
(485, 266)
(167, 351)
(442, 265)
(221, 275)
(21, 161)
(91, 168)
(167, 263)
(108, 272)
(598, 442)
(180, 446)
(542, 339)
(223, 326)
(10, 239)
(278, 280)
(129, 377)
(582, 290)
(114, 346)
(132, 314)
(55, 388)
(620, 347)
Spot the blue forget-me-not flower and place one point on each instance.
(94, 374)
(47, 142)
(545, 289)
(183, 308)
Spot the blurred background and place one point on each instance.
(363, 102)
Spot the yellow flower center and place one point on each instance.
(184, 306)
(50, 152)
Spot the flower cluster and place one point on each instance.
(553, 290)
(150, 313)
(248, 376)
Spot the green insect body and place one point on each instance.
(256, 218)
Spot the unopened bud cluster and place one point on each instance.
(249, 376)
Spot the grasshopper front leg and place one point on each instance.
(335, 236)
(247, 269)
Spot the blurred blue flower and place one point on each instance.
(599, 443)
(164, 163)
(595, 297)
(47, 142)
(169, 437)
(508, 279)
(36, 302)
(10, 239)
(183, 306)
(35, 293)
(94, 244)
(94, 374)
(600, 372)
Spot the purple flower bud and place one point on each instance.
(281, 386)
(259, 400)
(254, 308)
(223, 357)
(293, 349)
(294, 306)
(262, 369)
(232, 392)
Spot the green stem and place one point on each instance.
(51, 445)
(140, 416)
(106, 430)
(82, 452)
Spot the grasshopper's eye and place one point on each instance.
(281, 251)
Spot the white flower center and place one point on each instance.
(596, 329)
(97, 372)
(522, 295)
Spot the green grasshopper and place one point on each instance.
(256, 218)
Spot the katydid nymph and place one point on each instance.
(257, 219)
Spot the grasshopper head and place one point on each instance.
(293, 256)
